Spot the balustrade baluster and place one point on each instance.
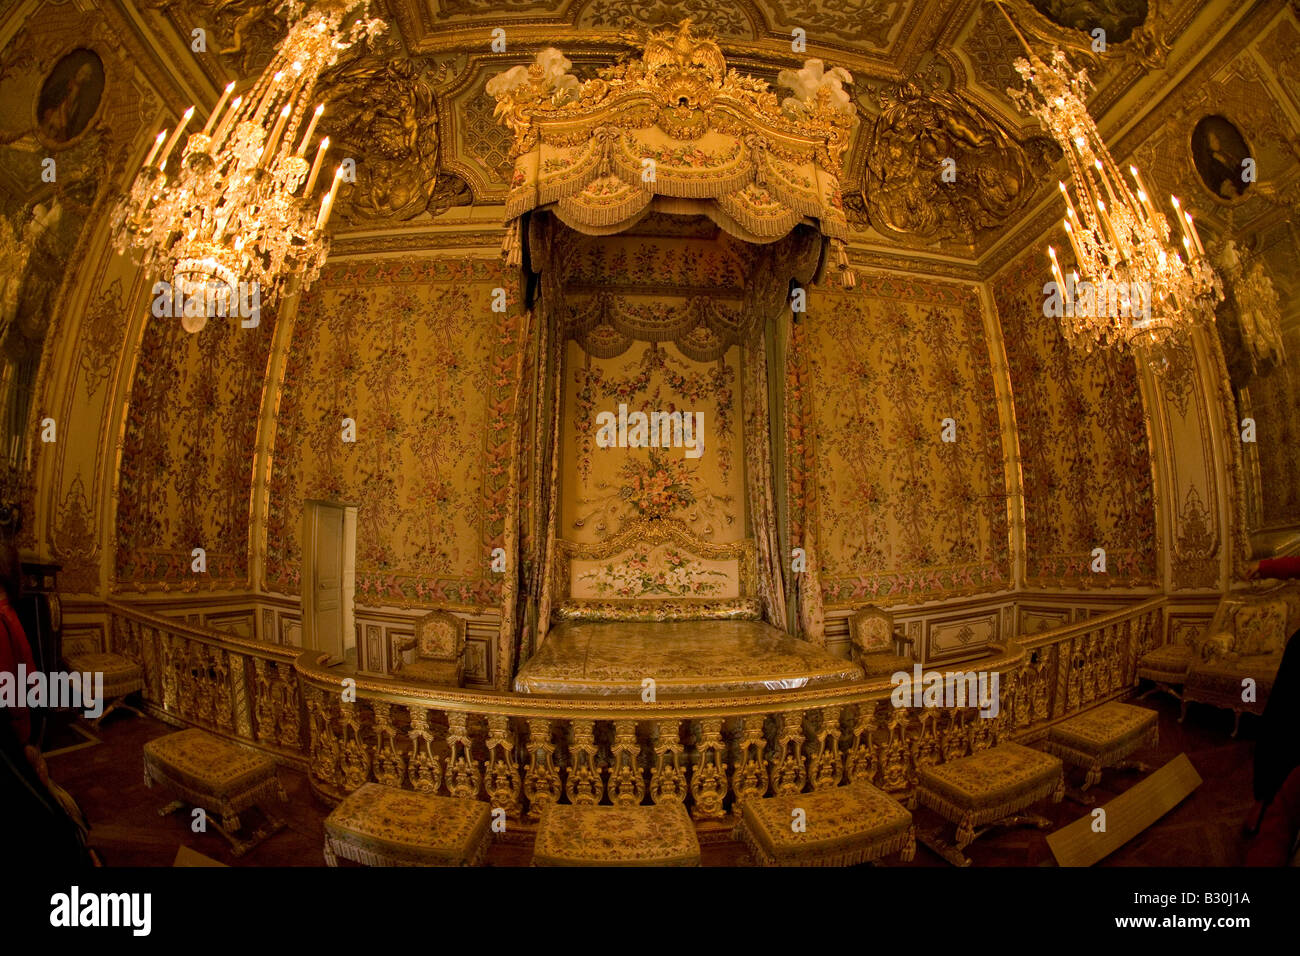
(424, 766)
(325, 747)
(668, 776)
(787, 772)
(464, 778)
(860, 760)
(709, 781)
(239, 696)
(356, 755)
(542, 783)
(626, 781)
(585, 784)
(750, 777)
(827, 764)
(501, 776)
(892, 753)
(390, 765)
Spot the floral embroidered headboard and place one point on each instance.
(655, 570)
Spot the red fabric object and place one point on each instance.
(15, 650)
(1280, 567)
(1277, 831)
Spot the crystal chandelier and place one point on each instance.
(1139, 288)
(237, 205)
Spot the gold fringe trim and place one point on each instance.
(576, 213)
(855, 855)
(1105, 756)
(342, 847)
(969, 817)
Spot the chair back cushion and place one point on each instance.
(1260, 628)
(439, 635)
(872, 631)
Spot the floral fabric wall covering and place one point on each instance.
(602, 487)
(414, 354)
(185, 474)
(902, 516)
(1275, 406)
(1083, 446)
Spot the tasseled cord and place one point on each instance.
(847, 277)
(512, 247)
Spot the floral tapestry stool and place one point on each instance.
(221, 777)
(122, 677)
(986, 790)
(384, 826)
(839, 826)
(659, 835)
(1104, 737)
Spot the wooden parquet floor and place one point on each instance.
(1205, 830)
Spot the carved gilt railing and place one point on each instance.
(520, 752)
(207, 678)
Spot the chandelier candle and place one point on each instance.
(207, 127)
(311, 128)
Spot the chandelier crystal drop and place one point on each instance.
(1123, 246)
(236, 204)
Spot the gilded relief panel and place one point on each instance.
(903, 514)
(1085, 460)
(408, 359)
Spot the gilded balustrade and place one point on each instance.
(520, 752)
(239, 688)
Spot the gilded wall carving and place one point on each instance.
(908, 188)
(903, 515)
(379, 107)
(635, 14)
(870, 24)
(412, 352)
(243, 32)
(1083, 445)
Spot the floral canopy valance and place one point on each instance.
(678, 132)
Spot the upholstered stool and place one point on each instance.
(660, 835)
(384, 826)
(987, 789)
(122, 676)
(221, 777)
(842, 826)
(1103, 737)
(1166, 667)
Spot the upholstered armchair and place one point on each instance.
(876, 647)
(1244, 640)
(439, 646)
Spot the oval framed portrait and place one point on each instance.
(1218, 153)
(70, 98)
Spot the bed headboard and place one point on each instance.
(655, 570)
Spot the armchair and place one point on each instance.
(1244, 641)
(439, 650)
(876, 647)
